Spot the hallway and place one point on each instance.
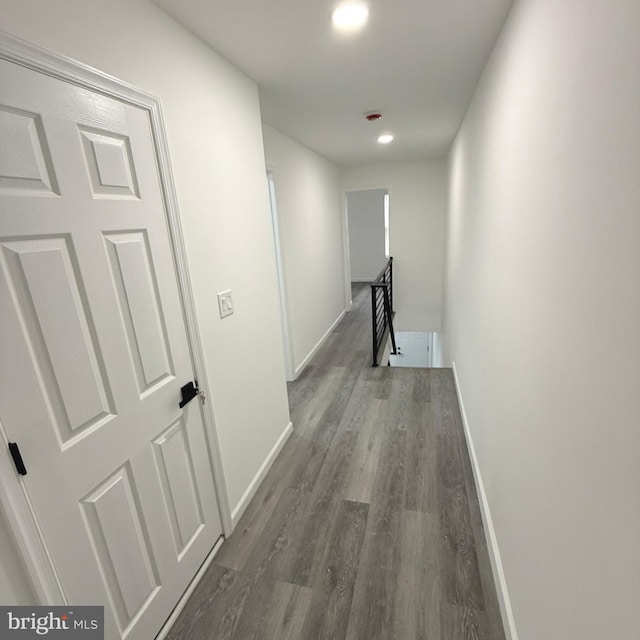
(368, 524)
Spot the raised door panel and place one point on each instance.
(120, 542)
(25, 159)
(51, 304)
(135, 282)
(175, 467)
(109, 163)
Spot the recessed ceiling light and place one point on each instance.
(349, 16)
(385, 138)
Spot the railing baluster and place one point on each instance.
(387, 310)
(391, 282)
(382, 309)
(374, 326)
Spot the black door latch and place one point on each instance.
(189, 392)
(17, 458)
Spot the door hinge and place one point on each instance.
(14, 449)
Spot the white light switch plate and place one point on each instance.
(225, 303)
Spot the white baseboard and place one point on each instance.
(166, 627)
(313, 351)
(492, 542)
(236, 514)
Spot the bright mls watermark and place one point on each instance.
(53, 623)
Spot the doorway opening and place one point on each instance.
(368, 223)
(417, 349)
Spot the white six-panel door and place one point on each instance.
(94, 351)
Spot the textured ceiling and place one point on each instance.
(417, 61)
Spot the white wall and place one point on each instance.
(365, 210)
(307, 188)
(213, 125)
(543, 310)
(418, 193)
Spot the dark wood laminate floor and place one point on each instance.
(367, 526)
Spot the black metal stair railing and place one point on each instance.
(382, 310)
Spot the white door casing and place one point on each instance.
(98, 336)
(284, 314)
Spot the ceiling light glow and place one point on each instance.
(350, 16)
(385, 138)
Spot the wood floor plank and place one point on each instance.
(418, 592)
(205, 607)
(364, 466)
(245, 603)
(462, 576)
(421, 385)
(342, 397)
(373, 602)
(465, 623)
(255, 546)
(310, 413)
(355, 410)
(295, 458)
(421, 481)
(302, 558)
(333, 584)
(445, 401)
(286, 612)
(383, 387)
